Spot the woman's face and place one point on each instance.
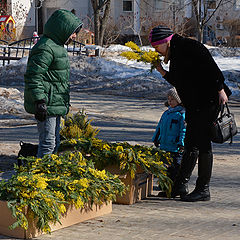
(162, 48)
(172, 102)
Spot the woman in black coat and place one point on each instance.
(200, 85)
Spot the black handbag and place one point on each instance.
(224, 128)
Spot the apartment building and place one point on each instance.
(220, 18)
(136, 17)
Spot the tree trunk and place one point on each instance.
(202, 16)
(200, 39)
(103, 23)
(100, 22)
(96, 19)
(197, 15)
(96, 27)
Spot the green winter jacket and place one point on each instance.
(47, 74)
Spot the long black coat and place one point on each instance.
(194, 73)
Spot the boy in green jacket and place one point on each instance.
(46, 93)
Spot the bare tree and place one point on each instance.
(195, 25)
(203, 16)
(113, 31)
(233, 28)
(129, 25)
(174, 13)
(101, 10)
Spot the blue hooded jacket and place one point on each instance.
(171, 129)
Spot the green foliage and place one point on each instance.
(77, 125)
(43, 188)
(127, 157)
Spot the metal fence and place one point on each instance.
(19, 49)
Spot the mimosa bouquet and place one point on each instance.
(150, 56)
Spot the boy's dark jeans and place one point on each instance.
(175, 165)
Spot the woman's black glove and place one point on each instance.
(41, 110)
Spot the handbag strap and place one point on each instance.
(231, 126)
(221, 110)
(228, 112)
(222, 107)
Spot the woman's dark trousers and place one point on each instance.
(197, 147)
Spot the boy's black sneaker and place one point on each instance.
(162, 194)
(179, 190)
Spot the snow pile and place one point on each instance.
(106, 76)
(12, 112)
(11, 102)
(224, 51)
(117, 48)
(114, 74)
(12, 74)
(111, 74)
(228, 59)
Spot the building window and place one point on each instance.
(3, 7)
(127, 6)
(181, 3)
(165, 4)
(159, 5)
(211, 4)
(237, 4)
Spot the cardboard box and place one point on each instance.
(140, 187)
(71, 217)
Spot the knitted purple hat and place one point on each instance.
(159, 35)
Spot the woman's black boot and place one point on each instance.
(180, 186)
(201, 191)
(202, 194)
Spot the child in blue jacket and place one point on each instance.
(170, 131)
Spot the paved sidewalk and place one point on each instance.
(158, 218)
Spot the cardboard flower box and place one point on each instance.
(71, 217)
(139, 187)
